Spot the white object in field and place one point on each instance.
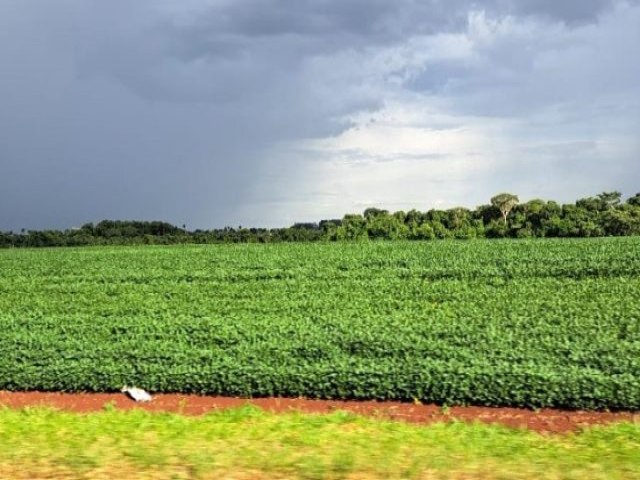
(137, 394)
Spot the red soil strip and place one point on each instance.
(545, 420)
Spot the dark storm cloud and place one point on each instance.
(164, 109)
(227, 50)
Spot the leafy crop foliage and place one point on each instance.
(521, 323)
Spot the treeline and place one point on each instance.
(603, 215)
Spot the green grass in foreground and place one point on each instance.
(248, 443)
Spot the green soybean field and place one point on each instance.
(529, 323)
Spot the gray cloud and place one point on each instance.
(569, 12)
(175, 110)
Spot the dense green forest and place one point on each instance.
(605, 214)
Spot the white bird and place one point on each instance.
(137, 394)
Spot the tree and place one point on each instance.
(505, 202)
(353, 227)
(386, 226)
(610, 200)
(496, 229)
(457, 218)
(373, 212)
(591, 204)
(422, 232)
(621, 222)
(329, 228)
(635, 200)
(486, 213)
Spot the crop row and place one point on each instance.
(520, 323)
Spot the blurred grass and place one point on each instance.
(248, 443)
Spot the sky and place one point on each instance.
(211, 113)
